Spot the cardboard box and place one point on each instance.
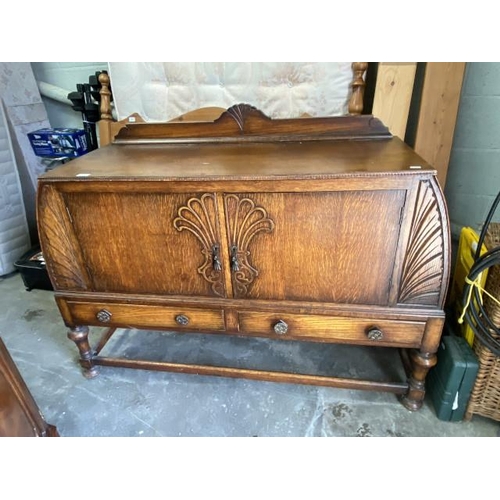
(59, 142)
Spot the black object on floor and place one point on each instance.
(450, 382)
(31, 266)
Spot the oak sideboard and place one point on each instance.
(314, 229)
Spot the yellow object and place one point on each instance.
(465, 259)
(476, 284)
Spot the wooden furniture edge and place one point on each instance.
(245, 123)
(23, 395)
(264, 375)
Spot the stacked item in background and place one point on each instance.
(56, 146)
(451, 381)
(14, 232)
(467, 247)
(485, 396)
(59, 142)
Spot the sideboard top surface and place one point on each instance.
(266, 160)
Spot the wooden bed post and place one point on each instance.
(105, 110)
(358, 88)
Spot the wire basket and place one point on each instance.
(485, 396)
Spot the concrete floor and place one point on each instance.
(121, 402)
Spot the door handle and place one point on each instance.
(216, 263)
(235, 266)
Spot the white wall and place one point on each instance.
(65, 75)
(474, 173)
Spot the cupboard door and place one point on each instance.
(335, 247)
(157, 243)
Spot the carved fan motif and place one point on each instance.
(424, 265)
(240, 112)
(199, 217)
(245, 220)
(56, 233)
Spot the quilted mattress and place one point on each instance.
(160, 91)
(14, 235)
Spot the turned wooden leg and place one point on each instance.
(421, 363)
(80, 336)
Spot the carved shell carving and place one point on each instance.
(59, 248)
(245, 221)
(199, 217)
(423, 268)
(240, 112)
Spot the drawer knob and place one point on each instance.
(182, 320)
(281, 327)
(375, 334)
(103, 316)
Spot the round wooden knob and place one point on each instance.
(103, 316)
(281, 327)
(375, 334)
(182, 320)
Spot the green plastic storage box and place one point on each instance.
(450, 382)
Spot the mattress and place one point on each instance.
(14, 235)
(161, 91)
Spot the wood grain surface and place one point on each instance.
(328, 328)
(118, 231)
(274, 161)
(146, 316)
(393, 94)
(438, 114)
(306, 256)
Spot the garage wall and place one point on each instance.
(474, 172)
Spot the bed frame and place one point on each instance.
(109, 128)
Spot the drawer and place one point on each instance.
(144, 316)
(332, 329)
